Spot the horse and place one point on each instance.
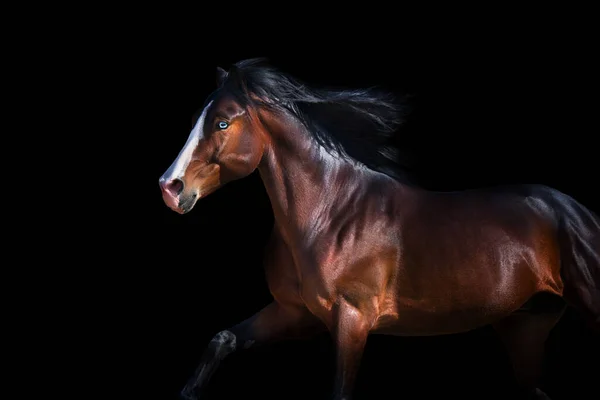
(357, 249)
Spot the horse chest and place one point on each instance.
(327, 279)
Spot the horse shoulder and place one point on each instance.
(281, 272)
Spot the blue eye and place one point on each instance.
(222, 125)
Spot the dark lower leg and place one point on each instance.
(350, 335)
(274, 322)
(218, 348)
(524, 336)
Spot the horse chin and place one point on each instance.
(205, 191)
(187, 202)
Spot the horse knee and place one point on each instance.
(223, 343)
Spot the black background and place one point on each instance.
(506, 100)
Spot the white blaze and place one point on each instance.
(177, 169)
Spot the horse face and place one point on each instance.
(224, 145)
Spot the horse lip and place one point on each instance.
(170, 200)
(185, 205)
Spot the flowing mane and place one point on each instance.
(357, 125)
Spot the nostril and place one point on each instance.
(174, 187)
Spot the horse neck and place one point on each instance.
(302, 179)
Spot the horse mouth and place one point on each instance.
(180, 204)
(184, 203)
(187, 203)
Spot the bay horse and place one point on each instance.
(356, 250)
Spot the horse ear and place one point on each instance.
(221, 76)
(234, 76)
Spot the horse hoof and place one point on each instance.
(189, 394)
(539, 395)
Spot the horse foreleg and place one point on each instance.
(350, 335)
(274, 322)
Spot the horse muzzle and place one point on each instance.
(171, 193)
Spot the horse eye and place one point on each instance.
(222, 125)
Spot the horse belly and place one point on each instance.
(452, 305)
(411, 321)
(450, 286)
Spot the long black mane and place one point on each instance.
(357, 124)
